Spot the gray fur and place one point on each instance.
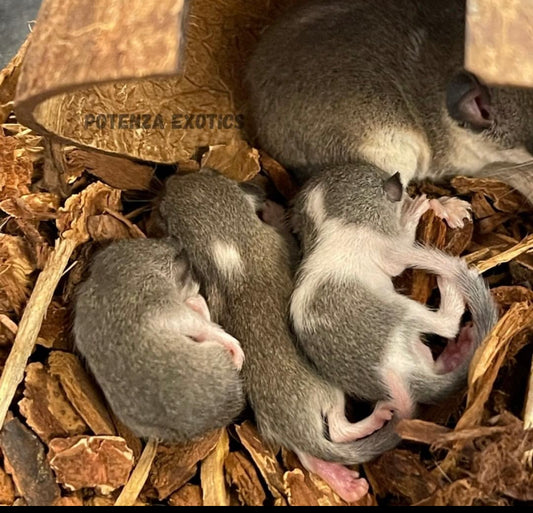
(351, 335)
(331, 73)
(435, 388)
(342, 186)
(289, 399)
(353, 326)
(158, 382)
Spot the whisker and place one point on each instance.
(519, 176)
(498, 167)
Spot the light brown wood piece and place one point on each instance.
(138, 477)
(188, 495)
(7, 489)
(525, 245)
(265, 459)
(528, 414)
(81, 392)
(175, 464)
(31, 322)
(8, 81)
(420, 431)
(498, 41)
(124, 57)
(243, 476)
(101, 462)
(488, 360)
(45, 406)
(214, 491)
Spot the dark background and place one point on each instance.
(15, 16)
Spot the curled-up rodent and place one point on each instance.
(146, 334)
(246, 267)
(357, 229)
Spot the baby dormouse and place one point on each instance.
(146, 334)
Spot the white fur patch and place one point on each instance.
(343, 252)
(314, 206)
(409, 152)
(254, 201)
(396, 149)
(227, 259)
(469, 152)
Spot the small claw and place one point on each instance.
(452, 210)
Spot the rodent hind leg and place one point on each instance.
(425, 320)
(344, 482)
(446, 320)
(452, 210)
(342, 430)
(400, 400)
(452, 302)
(412, 210)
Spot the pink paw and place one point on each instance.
(344, 482)
(456, 352)
(414, 209)
(383, 414)
(352, 487)
(452, 210)
(217, 335)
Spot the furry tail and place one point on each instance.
(306, 434)
(432, 387)
(313, 442)
(472, 286)
(479, 299)
(363, 450)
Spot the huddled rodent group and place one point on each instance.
(361, 97)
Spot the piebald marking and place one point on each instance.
(343, 253)
(227, 258)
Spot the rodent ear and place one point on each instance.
(468, 101)
(393, 187)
